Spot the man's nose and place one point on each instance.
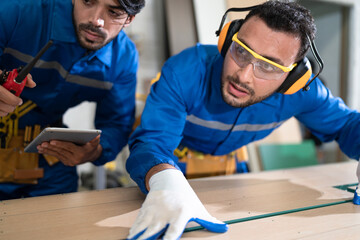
(246, 73)
(97, 19)
(100, 22)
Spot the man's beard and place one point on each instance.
(232, 100)
(91, 44)
(90, 27)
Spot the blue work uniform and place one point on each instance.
(66, 75)
(186, 107)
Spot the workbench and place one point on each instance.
(299, 203)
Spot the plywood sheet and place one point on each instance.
(109, 214)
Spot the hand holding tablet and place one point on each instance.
(77, 136)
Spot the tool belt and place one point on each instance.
(16, 166)
(196, 164)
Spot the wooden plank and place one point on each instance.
(71, 200)
(335, 222)
(109, 214)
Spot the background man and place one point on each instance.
(217, 102)
(91, 59)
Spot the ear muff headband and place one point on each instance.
(318, 59)
(297, 79)
(225, 34)
(233, 10)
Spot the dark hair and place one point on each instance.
(132, 7)
(289, 17)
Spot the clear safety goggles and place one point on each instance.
(262, 67)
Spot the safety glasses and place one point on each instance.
(263, 68)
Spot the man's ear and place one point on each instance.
(129, 20)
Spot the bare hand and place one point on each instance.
(71, 154)
(30, 82)
(8, 101)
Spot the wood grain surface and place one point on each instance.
(109, 214)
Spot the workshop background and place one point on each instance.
(165, 27)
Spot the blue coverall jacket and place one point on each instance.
(186, 106)
(67, 75)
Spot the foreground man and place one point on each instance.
(217, 102)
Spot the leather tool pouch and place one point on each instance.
(205, 165)
(17, 166)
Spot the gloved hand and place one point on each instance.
(356, 199)
(170, 204)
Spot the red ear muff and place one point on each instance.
(226, 34)
(297, 78)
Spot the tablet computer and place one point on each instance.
(77, 136)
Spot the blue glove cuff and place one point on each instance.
(356, 199)
(213, 227)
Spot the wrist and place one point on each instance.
(154, 170)
(97, 153)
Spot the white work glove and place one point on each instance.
(170, 204)
(356, 199)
